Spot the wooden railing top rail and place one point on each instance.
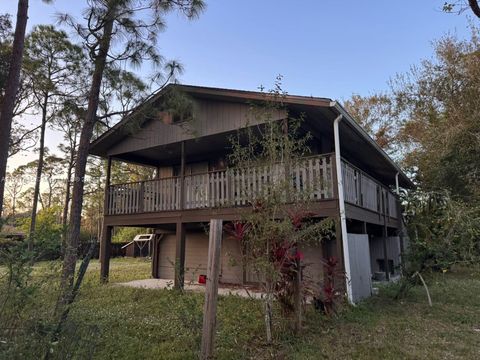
(216, 171)
(144, 181)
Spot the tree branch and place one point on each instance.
(475, 7)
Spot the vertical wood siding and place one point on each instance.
(210, 117)
(196, 256)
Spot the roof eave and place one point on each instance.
(353, 124)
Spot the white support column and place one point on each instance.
(341, 204)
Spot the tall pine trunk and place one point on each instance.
(13, 81)
(38, 179)
(73, 234)
(67, 195)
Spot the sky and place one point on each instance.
(325, 48)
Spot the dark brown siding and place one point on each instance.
(211, 117)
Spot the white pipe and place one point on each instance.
(341, 204)
(397, 187)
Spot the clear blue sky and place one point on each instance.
(324, 48)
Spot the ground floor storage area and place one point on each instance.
(232, 270)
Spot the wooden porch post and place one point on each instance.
(401, 234)
(104, 251)
(385, 235)
(155, 254)
(339, 248)
(180, 256)
(364, 227)
(182, 177)
(334, 176)
(105, 244)
(107, 186)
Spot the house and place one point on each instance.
(193, 184)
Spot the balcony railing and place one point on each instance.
(311, 179)
(362, 190)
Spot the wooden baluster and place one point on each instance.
(141, 198)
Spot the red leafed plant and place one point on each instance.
(237, 229)
(330, 294)
(287, 259)
(298, 217)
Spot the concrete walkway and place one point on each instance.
(223, 290)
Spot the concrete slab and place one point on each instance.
(223, 290)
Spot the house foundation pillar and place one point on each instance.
(105, 244)
(180, 256)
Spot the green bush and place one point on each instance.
(48, 233)
(5, 243)
(126, 234)
(443, 231)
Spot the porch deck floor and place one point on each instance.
(223, 289)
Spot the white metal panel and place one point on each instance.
(360, 276)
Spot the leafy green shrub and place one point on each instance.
(5, 243)
(126, 234)
(48, 233)
(443, 231)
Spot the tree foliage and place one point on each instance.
(460, 6)
(53, 66)
(113, 32)
(430, 118)
(375, 114)
(440, 103)
(434, 112)
(273, 235)
(444, 231)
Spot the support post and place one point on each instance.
(105, 244)
(339, 251)
(182, 176)
(105, 241)
(287, 166)
(341, 207)
(155, 254)
(364, 227)
(211, 291)
(107, 186)
(180, 256)
(385, 236)
(401, 234)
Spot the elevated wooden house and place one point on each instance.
(194, 184)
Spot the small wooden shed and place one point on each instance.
(140, 246)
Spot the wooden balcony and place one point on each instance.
(312, 179)
(364, 191)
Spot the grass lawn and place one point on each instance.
(114, 322)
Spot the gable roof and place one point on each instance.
(114, 134)
(329, 109)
